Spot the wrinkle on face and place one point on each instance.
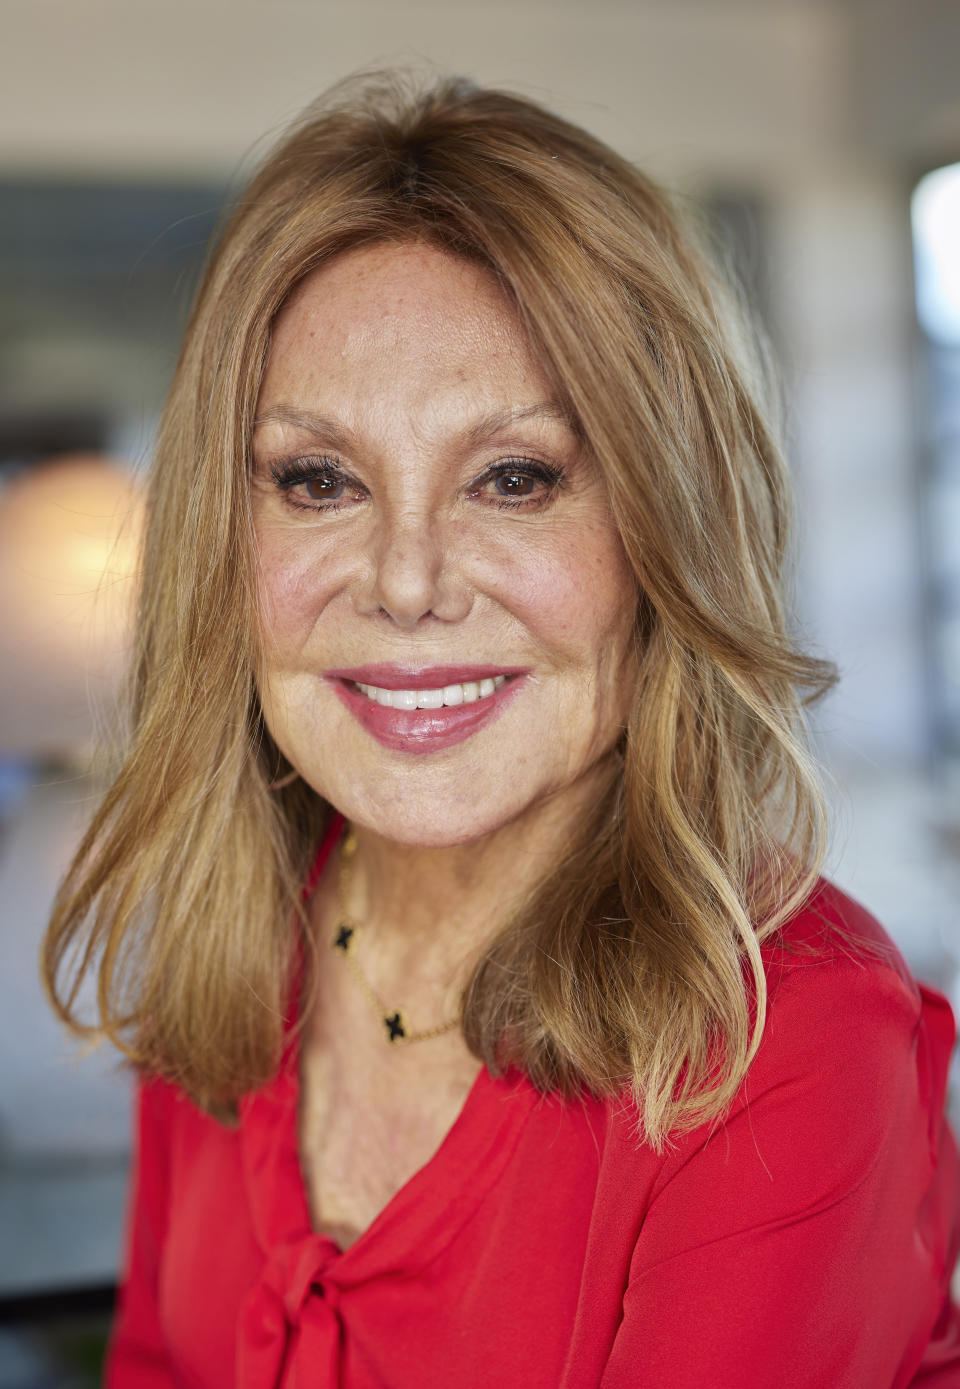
(399, 360)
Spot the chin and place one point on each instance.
(420, 821)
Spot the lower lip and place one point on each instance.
(425, 730)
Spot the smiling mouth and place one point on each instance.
(421, 718)
(441, 697)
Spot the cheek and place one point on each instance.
(287, 593)
(579, 594)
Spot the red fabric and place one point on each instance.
(805, 1244)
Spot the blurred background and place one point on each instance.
(822, 140)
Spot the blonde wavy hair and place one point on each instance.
(637, 961)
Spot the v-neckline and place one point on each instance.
(428, 1210)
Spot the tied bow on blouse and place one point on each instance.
(290, 1332)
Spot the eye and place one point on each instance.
(322, 484)
(314, 484)
(515, 483)
(323, 489)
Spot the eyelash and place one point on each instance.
(289, 473)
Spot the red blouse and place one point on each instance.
(808, 1241)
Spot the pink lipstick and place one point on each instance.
(463, 699)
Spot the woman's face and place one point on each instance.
(430, 527)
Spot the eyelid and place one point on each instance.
(288, 471)
(548, 473)
(291, 472)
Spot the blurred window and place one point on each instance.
(935, 215)
(96, 280)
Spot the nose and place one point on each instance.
(413, 570)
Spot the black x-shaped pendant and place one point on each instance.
(343, 937)
(394, 1027)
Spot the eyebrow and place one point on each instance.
(498, 420)
(494, 422)
(309, 422)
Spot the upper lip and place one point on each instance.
(387, 675)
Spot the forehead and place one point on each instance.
(412, 314)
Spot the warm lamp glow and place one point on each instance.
(69, 539)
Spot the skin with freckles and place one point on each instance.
(398, 378)
(419, 497)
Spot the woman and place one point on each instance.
(458, 899)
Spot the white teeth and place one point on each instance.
(467, 693)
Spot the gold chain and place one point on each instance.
(395, 1022)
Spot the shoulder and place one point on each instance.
(849, 1033)
(848, 1082)
(813, 1224)
(171, 1126)
(832, 925)
(834, 952)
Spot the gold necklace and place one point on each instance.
(398, 1029)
